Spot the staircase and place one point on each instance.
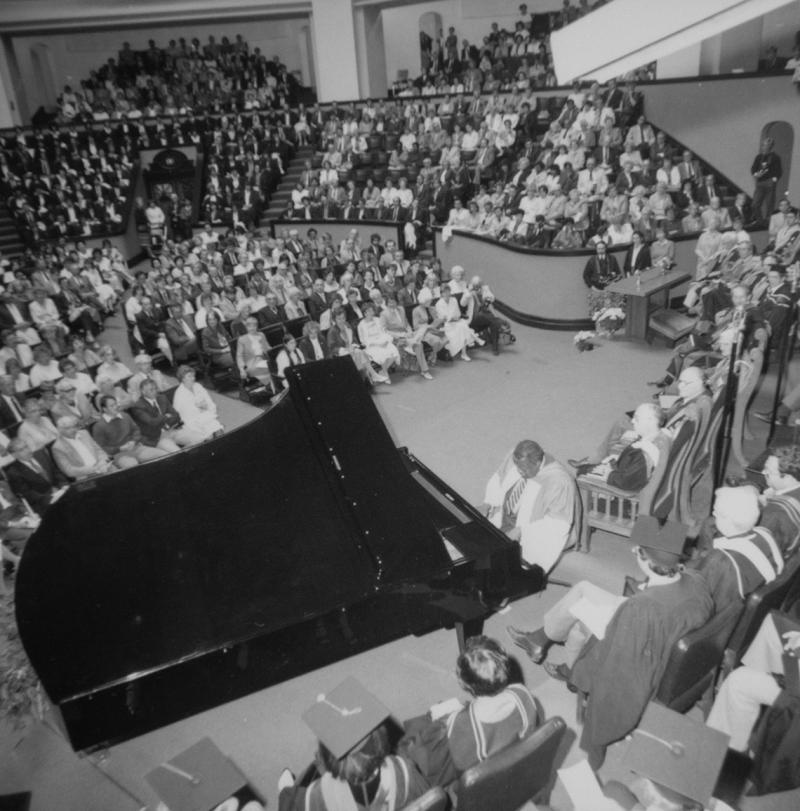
(10, 243)
(281, 195)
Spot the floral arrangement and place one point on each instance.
(584, 341)
(21, 694)
(608, 320)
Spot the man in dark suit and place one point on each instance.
(181, 334)
(11, 411)
(317, 302)
(159, 422)
(151, 324)
(13, 312)
(273, 314)
(33, 476)
(312, 345)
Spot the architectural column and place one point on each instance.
(334, 50)
(371, 51)
(10, 113)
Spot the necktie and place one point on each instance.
(511, 502)
(17, 411)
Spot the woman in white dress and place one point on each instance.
(252, 350)
(194, 405)
(456, 329)
(377, 342)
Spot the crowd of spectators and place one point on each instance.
(504, 59)
(256, 305)
(182, 78)
(66, 183)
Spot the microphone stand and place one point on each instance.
(785, 352)
(731, 387)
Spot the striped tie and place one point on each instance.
(511, 503)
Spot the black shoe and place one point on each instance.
(561, 673)
(577, 462)
(534, 643)
(582, 470)
(766, 416)
(661, 384)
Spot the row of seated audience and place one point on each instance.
(243, 303)
(180, 79)
(505, 58)
(587, 165)
(69, 182)
(725, 259)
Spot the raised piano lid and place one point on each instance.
(307, 508)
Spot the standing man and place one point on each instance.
(531, 497)
(766, 170)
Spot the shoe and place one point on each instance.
(286, 780)
(560, 673)
(534, 643)
(661, 384)
(466, 358)
(577, 462)
(381, 378)
(766, 416)
(582, 470)
(427, 375)
(480, 342)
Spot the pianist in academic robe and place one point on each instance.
(531, 497)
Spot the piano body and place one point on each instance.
(296, 540)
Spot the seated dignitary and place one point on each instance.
(119, 436)
(531, 497)
(780, 500)
(769, 665)
(691, 390)
(32, 476)
(194, 405)
(617, 647)
(394, 321)
(733, 554)
(631, 468)
(454, 736)
(354, 768)
(76, 454)
(159, 422)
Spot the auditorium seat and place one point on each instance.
(517, 774)
(433, 800)
(695, 660)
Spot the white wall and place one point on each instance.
(75, 54)
(710, 118)
(472, 20)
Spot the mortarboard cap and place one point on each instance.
(663, 540)
(345, 716)
(678, 753)
(198, 779)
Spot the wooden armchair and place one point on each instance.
(749, 374)
(613, 510)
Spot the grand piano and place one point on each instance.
(298, 539)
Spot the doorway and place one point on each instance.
(782, 135)
(430, 28)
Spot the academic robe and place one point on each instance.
(546, 513)
(621, 672)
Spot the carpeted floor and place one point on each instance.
(460, 425)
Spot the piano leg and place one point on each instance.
(465, 630)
